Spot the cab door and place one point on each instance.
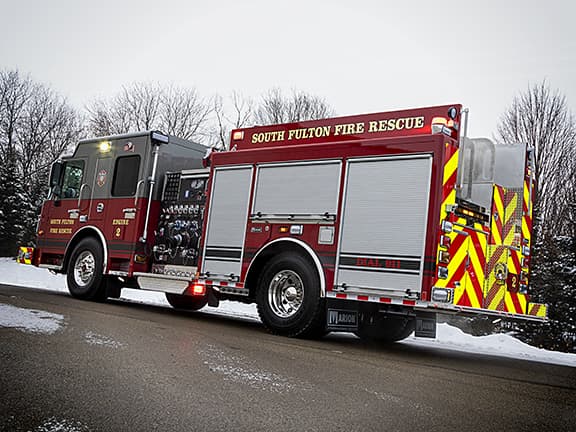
(60, 213)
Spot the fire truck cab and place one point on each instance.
(99, 219)
(371, 223)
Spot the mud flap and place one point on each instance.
(425, 325)
(213, 300)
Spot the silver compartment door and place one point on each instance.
(299, 190)
(385, 213)
(227, 218)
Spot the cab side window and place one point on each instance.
(72, 178)
(126, 176)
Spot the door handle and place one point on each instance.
(141, 182)
(84, 185)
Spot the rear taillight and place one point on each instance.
(199, 290)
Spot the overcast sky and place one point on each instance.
(360, 55)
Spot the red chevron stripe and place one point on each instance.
(507, 229)
(464, 300)
(491, 295)
(517, 304)
(516, 262)
(528, 220)
(501, 194)
(495, 258)
(457, 244)
(479, 250)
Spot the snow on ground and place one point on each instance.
(61, 425)
(30, 320)
(448, 337)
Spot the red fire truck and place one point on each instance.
(371, 224)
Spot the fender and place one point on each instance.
(310, 252)
(102, 239)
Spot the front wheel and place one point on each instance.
(85, 267)
(288, 297)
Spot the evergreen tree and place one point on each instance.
(13, 206)
(554, 275)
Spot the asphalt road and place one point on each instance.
(121, 366)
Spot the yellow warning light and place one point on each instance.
(105, 146)
(438, 123)
(238, 135)
(284, 229)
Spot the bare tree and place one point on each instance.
(235, 112)
(146, 106)
(36, 126)
(540, 117)
(275, 107)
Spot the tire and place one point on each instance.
(288, 297)
(84, 275)
(178, 301)
(386, 329)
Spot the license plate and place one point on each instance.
(339, 319)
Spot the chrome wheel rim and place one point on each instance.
(84, 268)
(286, 293)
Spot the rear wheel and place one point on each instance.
(186, 302)
(288, 297)
(85, 268)
(385, 329)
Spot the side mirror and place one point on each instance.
(55, 173)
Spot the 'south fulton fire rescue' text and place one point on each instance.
(373, 126)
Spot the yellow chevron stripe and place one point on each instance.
(475, 259)
(510, 209)
(525, 232)
(498, 201)
(451, 165)
(474, 300)
(512, 266)
(496, 233)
